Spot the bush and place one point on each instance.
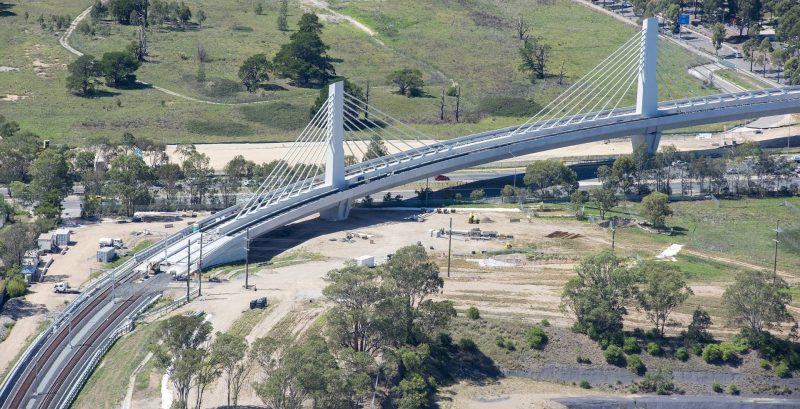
(584, 384)
(536, 337)
(716, 387)
(630, 346)
(697, 349)
(16, 286)
(473, 313)
(510, 345)
(545, 323)
(729, 353)
(660, 383)
(682, 354)
(654, 349)
(782, 370)
(500, 341)
(614, 355)
(635, 365)
(712, 354)
(733, 389)
(583, 360)
(765, 364)
(467, 344)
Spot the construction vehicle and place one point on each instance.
(109, 242)
(61, 287)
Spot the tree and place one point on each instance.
(201, 17)
(605, 198)
(749, 50)
(119, 67)
(765, 49)
(535, 57)
(664, 290)
(82, 73)
(17, 239)
(748, 14)
(413, 276)
(253, 71)
(717, 36)
(408, 81)
(672, 12)
(228, 351)
(259, 9)
(757, 300)
(122, 10)
(49, 172)
(545, 174)
(477, 194)
(168, 175)
(375, 149)
(138, 47)
(129, 180)
(304, 59)
(788, 29)
(791, 71)
(283, 11)
(698, 328)
(353, 108)
(655, 208)
(779, 57)
(181, 350)
(198, 172)
(522, 29)
(598, 295)
(578, 199)
(355, 319)
(507, 191)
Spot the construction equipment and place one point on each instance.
(508, 245)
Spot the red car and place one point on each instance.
(441, 178)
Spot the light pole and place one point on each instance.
(613, 235)
(188, 269)
(200, 269)
(247, 260)
(449, 246)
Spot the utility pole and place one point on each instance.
(777, 233)
(200, 269)
(188, 269)
(613, 235)
(247, 260)
(113, 287)
(449, 247)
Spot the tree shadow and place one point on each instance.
(17, 308)
(272, 87)
(103, 94)
(133, 85)
(5, 10)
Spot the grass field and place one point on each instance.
(107, 384)
(470, 42)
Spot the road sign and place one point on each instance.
(683, 19)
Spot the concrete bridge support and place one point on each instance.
(647, 89)
(334, 165)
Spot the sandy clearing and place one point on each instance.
(9, 348)
(510, 393)
(13, 98)
(220, 154)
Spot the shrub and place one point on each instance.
(682, 354)
(660, 383)
(729, 352)
(635, 364)
(614, 355)
(733, 389)
(697, 349)
(473, 313)
(630, 346)
(716, 387)
(583, 360)
(765, 364)
(500, 341)
(654, 349)
(510, 345)
(782, 370)
(467, 344)
(584, 384)
(545, 323)
(16, 287)
(712, 354)
(536, 337)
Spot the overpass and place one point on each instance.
(319, 176)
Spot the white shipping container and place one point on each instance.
(106, 254)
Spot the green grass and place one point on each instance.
(448, 41)
(741, 230)
(107, 384)
(699, 269)
(742, 80)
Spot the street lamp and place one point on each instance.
(777, 235)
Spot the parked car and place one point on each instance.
(258, 303)
(441, 178)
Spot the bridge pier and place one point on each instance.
(650, 140)
(338, 213)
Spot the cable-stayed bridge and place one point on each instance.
(639, 90)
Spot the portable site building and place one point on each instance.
(106, 254)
